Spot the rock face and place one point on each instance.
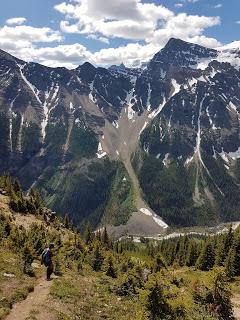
(176, 121)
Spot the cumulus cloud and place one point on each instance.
(134, 20)
(99, 38)
(187, 27)
(68, 56)
(16, 21)
(22, 40)
(132, 55)
(128, 19)
(29, 34)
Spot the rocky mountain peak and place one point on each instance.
(86, 72)
(179, 53)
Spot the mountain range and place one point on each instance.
(136, 149)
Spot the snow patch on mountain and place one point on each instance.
(149, 97)
(155, 217)
(19, 139)
(91, 91)
(11, 123)
(176, 86)
(53, 101)
(155, 112)
(31, 87)
(100, 153)
(234, 155)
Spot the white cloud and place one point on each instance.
(128, 19)
(238, 22)
(218, 6)
(69, 56)
(99, 38)
(150, 23)
(16, 21)
(186, 27)
(132, 55)
(191, 1)
(19, 39)
(178, 5)
(29, 34)
(133, 20)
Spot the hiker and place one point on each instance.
(47, 260)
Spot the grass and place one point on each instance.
(91, 296)
(16, 288)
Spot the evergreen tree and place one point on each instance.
(159, 264)
(66, 221)
(205, 261)
(230, 263)
(183, 245)
(221, 298)
(237, 255)
(223, 246)
(156, 304)
(97, 259)
(192, 254)
(88, 234)
(111, 271)
(17, 187)
(105, 238)
(220, 253)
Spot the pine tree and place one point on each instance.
(228, 240)
(98, 236)
(159, 264)
(230, 263)
(220, 253)
(156, 304)
(237, 256)
(205, 261)
(88, 234)
(183, 245)
(66, 221)
(97, 259)
(17, 187)
(192, 254)
(105, 238)
(111, 272)
(223, 246)
(221, 297)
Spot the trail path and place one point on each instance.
(236, 306)
(35, 306)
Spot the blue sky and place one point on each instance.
(55, 32)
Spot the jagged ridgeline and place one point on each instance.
(128, 146)
(186, 278)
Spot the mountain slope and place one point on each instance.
(68, 131)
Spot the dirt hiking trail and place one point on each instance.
(236, 306)
(36, 306)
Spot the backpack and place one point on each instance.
(46, 257)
